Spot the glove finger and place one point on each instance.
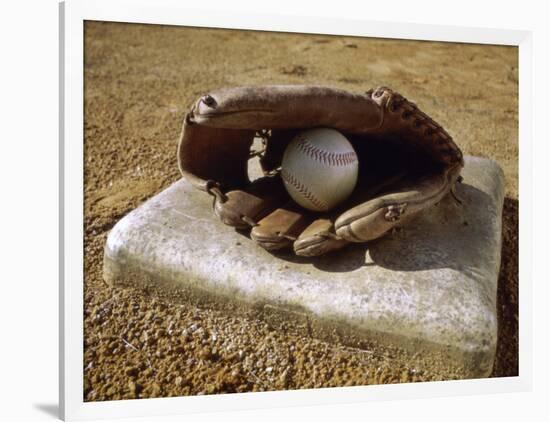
(243, 208)
(318, 238)
(375, 217)
(279, 229)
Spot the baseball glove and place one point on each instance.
(407, 162)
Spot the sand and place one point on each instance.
(139, 82)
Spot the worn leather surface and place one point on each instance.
(408, 162)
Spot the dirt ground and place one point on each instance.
(139, 82)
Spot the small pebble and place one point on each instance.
(132, 371)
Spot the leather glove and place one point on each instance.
(407, 162)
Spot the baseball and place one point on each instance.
(319, 168)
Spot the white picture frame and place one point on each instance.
(73, 13)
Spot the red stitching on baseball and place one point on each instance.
(289, 178)
(329, 158)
